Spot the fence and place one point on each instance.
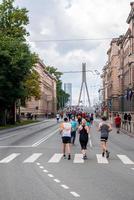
(128, 126)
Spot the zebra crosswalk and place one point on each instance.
(58, 157)
(32, 158)
(9, 158)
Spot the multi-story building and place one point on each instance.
(68, 90)
(118, 74)
(47, 102)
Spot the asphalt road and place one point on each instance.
(32, 167)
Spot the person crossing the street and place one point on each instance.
(83, 137)
(104, 128)
(74, 126)
(65, 130)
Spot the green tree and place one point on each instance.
(62, 96)
(32, 85)
(16, 59)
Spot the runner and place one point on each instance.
(65, 130)
(88, 123)
(104, 128)
(92, 118)
(74, 126)
(57, 117)
(79, 119)
(118, 123)
(83, 138)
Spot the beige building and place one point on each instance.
(47, 103)
(118, 74)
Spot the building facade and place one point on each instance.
(118, 73)
(46, 105)
(68, 90)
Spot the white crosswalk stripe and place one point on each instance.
(78, 158)
(56, 158)
(125, 159)
(9, 158)
(101, 160)
(32, 158)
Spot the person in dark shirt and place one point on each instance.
(104, 128)
(129, 118)
(125, 118)
(83, 137)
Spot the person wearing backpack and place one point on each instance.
(83, 137)
(104, 128)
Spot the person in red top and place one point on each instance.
(118, 123)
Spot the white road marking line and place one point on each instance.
(57, 180)
(132, 168)
(78, 158)
(125, 159)
(38, 163)
(45, 171)
(15, 146)
(55, 158)
(101, 160)
(32, 158)
(9, 158)
(65, 187)
(90, 141)
(41, 167)
(51, 175)
(75, 194)
(44, 138)
(6, 137)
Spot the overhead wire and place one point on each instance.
(72, 40)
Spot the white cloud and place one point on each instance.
(73, 19)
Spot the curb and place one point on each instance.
(8, 130)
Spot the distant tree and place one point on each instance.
(16, 59)
(62, 96)
(32, 85)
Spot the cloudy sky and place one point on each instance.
(96, 20)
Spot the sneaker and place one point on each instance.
(69, 157)
(107, 154)
(84, 157)
(118, 132)
(103, 154)
(64, 156)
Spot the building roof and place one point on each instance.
(44, 66)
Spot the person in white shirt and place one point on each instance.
(65, 130)
(57, 117)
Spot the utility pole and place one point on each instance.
(82, 85)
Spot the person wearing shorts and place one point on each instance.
(65, 130)
(83, 137)
(104, 128)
